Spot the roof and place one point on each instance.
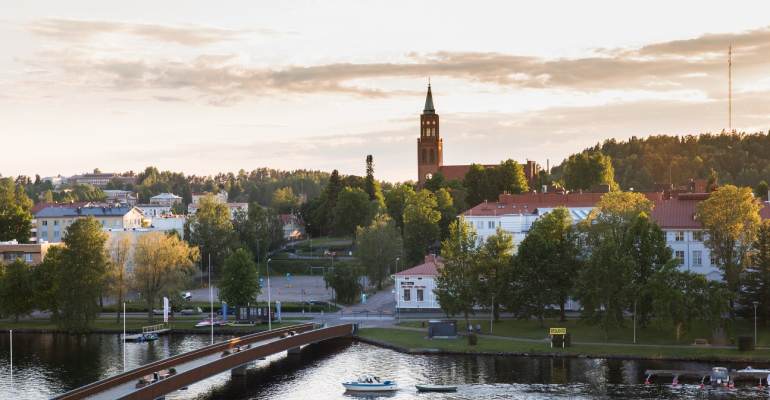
(104, 211)
(40, 206)
(679, 213)
(429, 267)
(97, 175)
(153, 206)
(429, 103)
(288, 217)
(165, 196)
(459, 171)
(229, 205)
(528, 203)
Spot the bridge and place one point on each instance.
(200, 364)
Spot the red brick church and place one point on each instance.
(430, 154)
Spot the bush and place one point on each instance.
(472, 339)
(226, 352)
(746, 343)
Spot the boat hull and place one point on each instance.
(370, 387)
(430, 388)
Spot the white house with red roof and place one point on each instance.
(293, 227)
(414, 287)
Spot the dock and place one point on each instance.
(703, 375)
(156, 329)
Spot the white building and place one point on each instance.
(293, 227)
(154, 210)
(414, 287)
(233, 207)
(218, 197)
(166, 199)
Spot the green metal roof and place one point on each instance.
(429, 103)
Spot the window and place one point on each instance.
(56, 236)
(698, 236)
(713, 259)
(407, 295)
(679, 236)
(433, 132)
(697, 258)
(28, 257)
(424, 156)
(117, 224)
(491, 225)
(480, 224)
(104, 223)
(55, 223)
(419, 295)
(45, 235)
(432, 158)
(12, 256)
(680, 257)
(45, 223)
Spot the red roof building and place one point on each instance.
(414, 287)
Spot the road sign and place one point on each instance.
(363, 298)
(288, 277)
(262, 282)
(558, 331)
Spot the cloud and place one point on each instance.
(169, 99)
(187, 34)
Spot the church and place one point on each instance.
(430, 153)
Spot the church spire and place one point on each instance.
(429, 102)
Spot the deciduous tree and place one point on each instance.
(494, 262)
(395, 203)
(239, 285)
(456, 281)
(119, 266)
(45, 279)
(756, 280)
(531, 278)
(211, 228)
(352, 211)
(16, 294)
(583, 170)
(377, 247)
(345, 279)
(420, 225)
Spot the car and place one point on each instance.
(187, 296)
(192, 311)
(159, 311)
(230, 311)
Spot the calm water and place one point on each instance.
(46, 365)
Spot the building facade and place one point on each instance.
(414, 287)
(192, 209)
(218, 197)
(32, 254)
(154, 210)
(166, 199)
(52, 222)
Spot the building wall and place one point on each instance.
(410, 285)
(32, 254)
(53, 229)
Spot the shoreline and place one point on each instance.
(423, 351)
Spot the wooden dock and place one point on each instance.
(156, 329)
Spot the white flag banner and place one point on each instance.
(165, 309)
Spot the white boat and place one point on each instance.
(370, 384)
(759, 371)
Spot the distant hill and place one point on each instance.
(738, 158)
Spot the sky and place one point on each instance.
(207, 87)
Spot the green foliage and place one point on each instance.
(253, 231)
(344, 278)
(455, 282)
(531, 278)
(511, 178)
(352, 211)
(613, 216)
(211, 228)
(494, 263)
(600, 287)
(477, 184)
(15, 219)
(447, 210)
(420, 225)
(473, 339)
(378, 245)
(756, 279)
(239, 284)
(82, 269)
(16, 295)
(457, 192)
(761, 190)
(284, 202)
(730, 218)
(745, 343)
(395, 203)
(45, 279)
(371, 187)
(435, 182)
(583, 170)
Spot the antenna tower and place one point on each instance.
(730, 85)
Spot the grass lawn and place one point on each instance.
(132, 323)
(321, 242)
(416, 340)
(581, 333)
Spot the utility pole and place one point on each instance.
(730, 86)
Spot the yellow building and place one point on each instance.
(52, 222)
(218, 197)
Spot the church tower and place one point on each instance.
(429, 153)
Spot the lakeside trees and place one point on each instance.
(455, 282)
(345, 279)
(119, 267)
(239, 285)
(378, 245)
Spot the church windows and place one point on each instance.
(425, 156)
(434, 132)
(431, 156)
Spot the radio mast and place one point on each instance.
(730, 85)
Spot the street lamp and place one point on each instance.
(397, 258)
(269, 314)
(492, 314)
(755, 323)
(200, 248)
(211, 300)
(311, 249)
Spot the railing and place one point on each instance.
(367, 314)
(135, 374)
(152, 328)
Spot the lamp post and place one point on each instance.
(755, 323)
(311, 249)
(124, 337)
(269, 316)
(634, 322)
(200, 248)
(211, 300)
(397, 258)
(492, 314)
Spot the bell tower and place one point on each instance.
(430, 156)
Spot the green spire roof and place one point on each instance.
(429, 103)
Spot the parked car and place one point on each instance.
(187, 296)
(159, 311)
(230, 311)
(192, 311)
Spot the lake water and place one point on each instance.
(46, 365)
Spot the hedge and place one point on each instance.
(746, 343)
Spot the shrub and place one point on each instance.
(142, 381)
(172, 370)
(226, 352)
(746, 343)
(283, 335)
(472, 339)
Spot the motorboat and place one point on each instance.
(209, 322)
(144, 337)
(369, 383)
(758, 371)
(720, 377)
(435, 388)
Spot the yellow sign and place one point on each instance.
(558, 331)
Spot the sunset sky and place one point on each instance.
(207, 87)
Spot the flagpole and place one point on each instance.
(211, 300)
(11, 364)
(124, 337)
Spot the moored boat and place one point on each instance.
(436, 388)
(370, 384)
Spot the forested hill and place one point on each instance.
(738, 158)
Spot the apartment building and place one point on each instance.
(32, 254)
(52, 222)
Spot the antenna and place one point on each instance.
(730, 85)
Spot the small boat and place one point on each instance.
(145, 337)
(435, 388)
(370, 384)
(208, 322)
(758, 371)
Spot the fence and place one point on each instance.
(367, 314)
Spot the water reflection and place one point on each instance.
(46, 365)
